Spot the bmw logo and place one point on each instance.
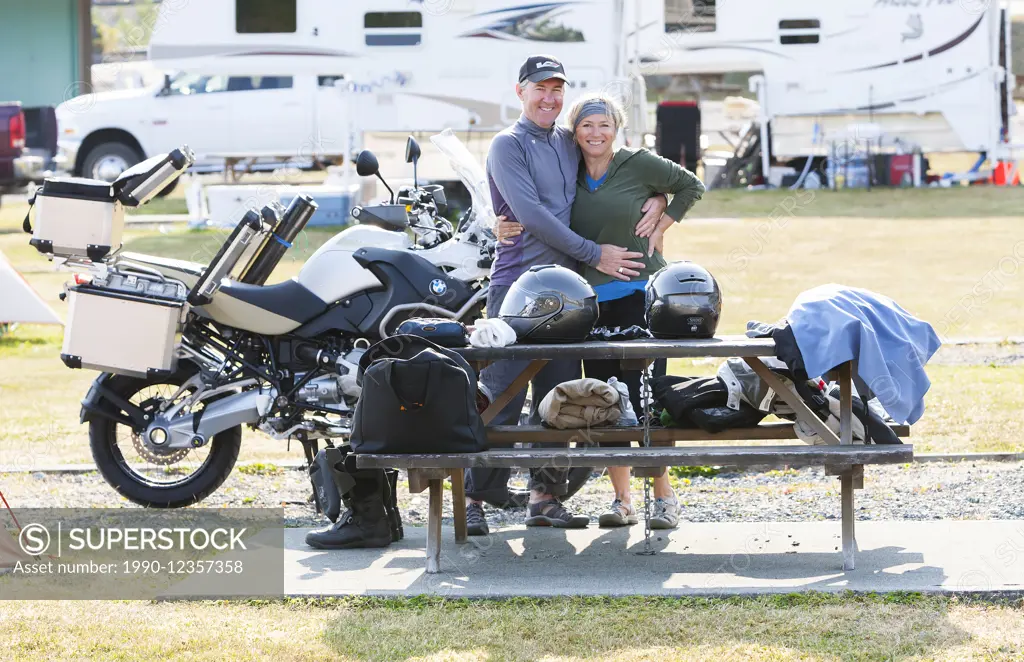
(438, 286)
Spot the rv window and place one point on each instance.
(799, 38)
(393, 28)
(393, 19)
(802, 24)
(690, 15)
(253, 16)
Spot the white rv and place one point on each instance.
(310, 77)
(931, 74)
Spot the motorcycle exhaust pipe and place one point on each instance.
(215, 417)
(292, 222)
(271, 215)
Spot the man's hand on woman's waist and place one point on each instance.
(616, 261)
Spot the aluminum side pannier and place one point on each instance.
(126, 324)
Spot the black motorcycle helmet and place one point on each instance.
(683, 301)
(550, 304)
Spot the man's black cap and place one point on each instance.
(541, 67)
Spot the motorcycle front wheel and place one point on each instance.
(169, 479)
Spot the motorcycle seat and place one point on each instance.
(288, 299)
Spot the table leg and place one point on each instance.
(459, 504)
(845, 404)
(520, 382)
(800, 408)
(846, 480)
(849, 539)
(434, 526)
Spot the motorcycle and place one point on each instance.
(229, 350)
(280, 358)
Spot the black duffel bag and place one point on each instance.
(417, 397)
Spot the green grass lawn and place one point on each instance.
(784, 627)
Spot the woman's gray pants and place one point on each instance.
(484, 484)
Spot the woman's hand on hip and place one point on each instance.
(506, 230)
(653, 210)
(656, 241)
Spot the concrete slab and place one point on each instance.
(696, 559)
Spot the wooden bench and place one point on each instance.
(840, 456)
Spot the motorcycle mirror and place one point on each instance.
(412, 150)
(366, 164)
(412, 155)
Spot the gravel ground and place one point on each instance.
(940, 490)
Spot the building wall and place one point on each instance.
(40, 61)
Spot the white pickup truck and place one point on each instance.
(223, 118)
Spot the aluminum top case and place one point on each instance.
(84, 218)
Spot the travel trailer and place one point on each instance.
(931, 75)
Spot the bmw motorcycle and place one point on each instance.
(279, 358)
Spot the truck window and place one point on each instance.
(328, 81)
(263, 16)
(393, 28)
(188, 84)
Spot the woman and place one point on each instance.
(612, 187)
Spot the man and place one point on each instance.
(532, 169)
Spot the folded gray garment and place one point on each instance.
(580, 403)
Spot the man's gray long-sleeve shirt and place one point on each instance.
(532, 175)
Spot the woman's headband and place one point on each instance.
(595, 107)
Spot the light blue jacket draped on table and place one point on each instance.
(834, 323)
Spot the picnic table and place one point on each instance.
(839, 455)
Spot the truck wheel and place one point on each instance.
(108, 160)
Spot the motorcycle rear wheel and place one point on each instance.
(157, 485)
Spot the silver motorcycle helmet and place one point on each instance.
(683, 300)
(550, 304)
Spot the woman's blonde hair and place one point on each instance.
(612, 104)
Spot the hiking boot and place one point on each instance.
(666, 514)
(476, 522)
(618, 514)
(553, 513)
(365, 523)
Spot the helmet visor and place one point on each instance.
(692, 304)
(521, 302)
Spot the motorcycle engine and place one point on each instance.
(338, 388)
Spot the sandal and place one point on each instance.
(618, 514)
(553, 513)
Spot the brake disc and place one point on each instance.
(153, 456)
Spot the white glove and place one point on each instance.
(492, 333)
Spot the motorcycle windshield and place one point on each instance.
(472, 175)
